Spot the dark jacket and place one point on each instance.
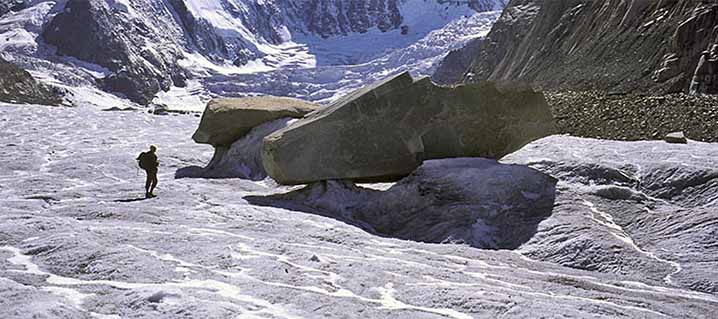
(148, 161)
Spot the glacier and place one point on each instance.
(632, 233)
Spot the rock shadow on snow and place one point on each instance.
(473, 201)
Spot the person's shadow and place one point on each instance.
(130, 200)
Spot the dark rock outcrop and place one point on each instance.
(451, 68)
(202, 36)
(11, 5)
(18, 86)
(328, 18)
(92, 31)
(507, 33)
(705, 79)
(385, 131)
(609, 45)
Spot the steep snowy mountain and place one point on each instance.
(140, 48)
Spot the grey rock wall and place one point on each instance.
(18, 86)
(11, 5)
(610, 45)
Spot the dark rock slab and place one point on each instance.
(676, 138)
(18, 86)
(92, 31)
(385, 131)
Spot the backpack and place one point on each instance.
(144, 160)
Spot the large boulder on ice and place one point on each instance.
(385, 131)
(225, 120)
(475, 201)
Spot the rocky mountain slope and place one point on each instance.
(149, 49)
(11, 5)
(18, 86)
(608, 45)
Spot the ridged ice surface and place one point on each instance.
(75, 241)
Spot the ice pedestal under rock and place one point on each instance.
(242, 159)
(467, 200)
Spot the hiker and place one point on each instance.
(148, 162)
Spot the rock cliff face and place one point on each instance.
(330, 17)
(141, 58)
(11, 5)
(340, 17)
(18, 86)
(451, 69)
(613, 45)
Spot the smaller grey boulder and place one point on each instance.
(676, 138)
(225, 120)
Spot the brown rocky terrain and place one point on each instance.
(633, 116)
